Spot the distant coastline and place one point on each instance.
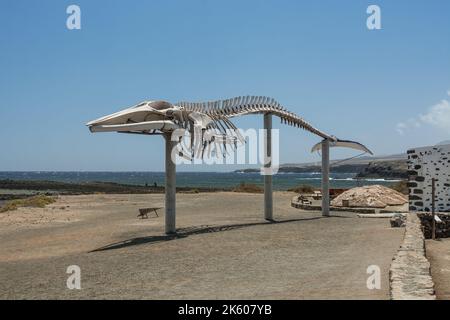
(345, 174)
(395, 169)
(15, 185)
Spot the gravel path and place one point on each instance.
(438, 253)
(224, 250)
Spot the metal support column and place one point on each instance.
(433, 208)
(325, 178)
(268, 192)
(170, 188)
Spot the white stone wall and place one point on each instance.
(424, 164)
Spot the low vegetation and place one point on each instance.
(304, 188)
(39, 201)
(66, 188)
(401, 187)
(189, 191)
(248, 188)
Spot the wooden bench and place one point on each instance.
(317, 195)
(143, 213)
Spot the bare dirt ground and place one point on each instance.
(224, 250)
(438, 253)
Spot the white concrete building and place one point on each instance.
(424, 164)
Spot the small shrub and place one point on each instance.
(304, 188)
(39, 201)
(248, 188)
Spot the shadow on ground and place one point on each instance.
(195, 230)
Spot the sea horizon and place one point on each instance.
(281, 181)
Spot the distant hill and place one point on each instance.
(390, 169)
(360, 160)
(381, 167)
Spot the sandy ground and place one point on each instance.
(438, 253)
(224, 250)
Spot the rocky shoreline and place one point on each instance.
(385, 169)
(25, 188)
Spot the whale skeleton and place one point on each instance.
(344, 144)
(209, 124)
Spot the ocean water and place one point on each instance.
(281, 181)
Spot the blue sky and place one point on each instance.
(385, 88)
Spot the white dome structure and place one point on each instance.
(375, 196)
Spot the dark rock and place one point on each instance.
(398, 220)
